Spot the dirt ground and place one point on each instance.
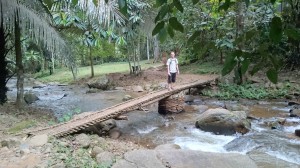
(157, 75)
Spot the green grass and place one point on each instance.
(64, 75)
(22, 125)
(202, 68)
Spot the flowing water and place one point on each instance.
(151, 129)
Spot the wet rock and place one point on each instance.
(83, 140)
(222, 121)
(105, 158)
(38, 140)
(92, 90)
(127, 97)
(114, 133)
(102, 83)
(202, 108)
(295, 112)
(188, 98)
(30, 97)
(107, 125)
(96, 150)
(10, 143)
(191, 108)
(137, 88)
(297, 132)
(291, 103)
(167, 147)
(187, 158)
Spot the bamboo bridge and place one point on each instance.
(95, 117)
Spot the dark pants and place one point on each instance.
(172, 78)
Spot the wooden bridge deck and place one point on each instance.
(92, 118)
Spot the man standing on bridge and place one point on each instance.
(172, 66)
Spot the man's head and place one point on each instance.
(172, 54)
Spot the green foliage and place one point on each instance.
(248, 91)
(68, 116)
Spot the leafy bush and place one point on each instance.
(248, 91)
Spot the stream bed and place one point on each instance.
(269, 147)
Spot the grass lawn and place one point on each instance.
(64, 75)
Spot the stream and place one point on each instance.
(269, 147)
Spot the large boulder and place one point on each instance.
(83, 140)
(183, 159)
(105, 158)
(101, 82)
(38, 140)
(222, 121)
(30, 97)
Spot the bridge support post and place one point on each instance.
(172, 104)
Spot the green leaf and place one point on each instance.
(293, 33)
(158, 27)
(276, 29)
(123, 6)
(162, 13)
(247, 2)
(74, 2)
(272, 1)
(245, 65)
(250, 34)
(160, 2)
(95, 2)
(194, 36)
(225, 6)
(162, 35)
(178, 5)
(230, 62)
(272, 75)
(175, 24)
(170, 31)
(49, 3)
(195, 1)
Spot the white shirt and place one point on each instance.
(172, 63)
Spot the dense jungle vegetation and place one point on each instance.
(245, 36)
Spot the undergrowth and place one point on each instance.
(250, 91)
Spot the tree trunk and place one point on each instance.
(239, 30)
(91, 62)
(148, 54)
(156, 49)
(20, 70)
(3, 67)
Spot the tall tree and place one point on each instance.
(22, 18)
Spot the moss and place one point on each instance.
(22, 125)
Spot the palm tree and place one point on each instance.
(29, 18)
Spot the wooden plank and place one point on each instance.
(114, 111)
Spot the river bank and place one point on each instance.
(141, 131)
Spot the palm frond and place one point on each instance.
(33, 26)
